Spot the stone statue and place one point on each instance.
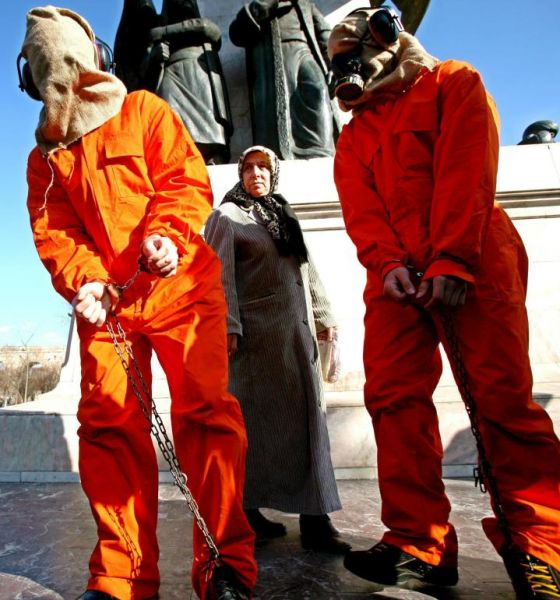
(287, 65)
(132, 42)
(540, 132)
(180, 63)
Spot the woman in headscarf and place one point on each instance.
(276, 308)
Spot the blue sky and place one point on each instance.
(513, 43)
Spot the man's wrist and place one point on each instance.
(449, 267)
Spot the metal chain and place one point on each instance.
(483, 475)
(121, 288)
(158, 429)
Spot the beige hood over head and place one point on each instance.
(60, 48)
(387, 70)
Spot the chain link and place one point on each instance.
(483, 475)
(158, 430)
(121, 288)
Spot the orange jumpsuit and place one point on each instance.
(416, 176)
(136, 175)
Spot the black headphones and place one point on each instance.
(104, 60)
(384, 26)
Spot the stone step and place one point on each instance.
(39, 442)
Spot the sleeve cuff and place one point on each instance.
(234, 326)
(321, 326)
(390, 265)
(449, 267)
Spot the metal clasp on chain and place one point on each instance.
(122, 288)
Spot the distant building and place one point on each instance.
(13, 356)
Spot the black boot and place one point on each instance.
(319, 534)
(532, 579)
(224, 585)
(389, 565)
(263, 528)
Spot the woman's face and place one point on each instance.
(256, 174)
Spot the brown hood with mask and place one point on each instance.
(389, 70)
(60, 48)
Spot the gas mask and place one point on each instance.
(347, 77)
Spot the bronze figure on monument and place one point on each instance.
(287, 67)
(178, 59)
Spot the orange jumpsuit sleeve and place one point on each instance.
(365, 215)
(182, 197)
(63, 245)
(465, 171)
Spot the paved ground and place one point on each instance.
(47, 533)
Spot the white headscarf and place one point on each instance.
(60, 48)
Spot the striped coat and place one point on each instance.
(275, 306)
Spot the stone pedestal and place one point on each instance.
(38, 440)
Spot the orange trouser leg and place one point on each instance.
(403, 365)
(522, 449)
(208, 429)
(118, 470)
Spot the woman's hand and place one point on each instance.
(232, 344)
(327, 335)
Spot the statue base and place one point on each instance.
(38, 439)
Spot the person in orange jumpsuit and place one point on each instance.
(114, 177)
(415, 170)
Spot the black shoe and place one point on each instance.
(224, 585)
(318, 534)
(389, 565)
(263, 528)
(532, 578)
(96, 595)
